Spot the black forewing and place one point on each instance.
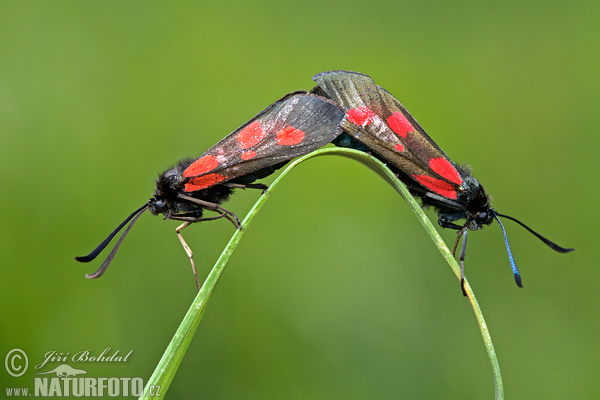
(354, 90)
(317, 117)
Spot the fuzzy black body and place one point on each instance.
(170, 184)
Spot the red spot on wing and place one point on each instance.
(399, 147)
(204, 181)
(444, 168)
(361, 116)
(248, 155)
(289, 136)
(438, 186)
(399, 124)
(201, 166)
(251, 135)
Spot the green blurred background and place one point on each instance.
(335, 291)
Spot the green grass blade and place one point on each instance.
(172, 357)
(386, 174)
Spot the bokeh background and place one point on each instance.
(335, 291)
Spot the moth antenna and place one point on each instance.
(106, 241)
(549, 243)
(515, 270)
(113, 252)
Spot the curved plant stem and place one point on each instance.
(168, 365)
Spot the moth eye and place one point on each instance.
(484, 217)
(160, 206)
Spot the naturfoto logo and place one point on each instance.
(64, 371)
(62, 379)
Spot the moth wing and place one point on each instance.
(378, 120)
(293, 126)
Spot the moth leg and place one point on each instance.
(230, 216)
(188, 221)
(187, 249)
(247, 186)
(216, 208)
(461, 258)
(459, 234)
(446, 223)
(191, 220)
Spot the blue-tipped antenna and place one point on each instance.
(515, 270)
(548, 243)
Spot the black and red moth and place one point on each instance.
(291, 127)
(376, 122)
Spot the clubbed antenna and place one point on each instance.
(133, 218)
(549, 243)
(515, 270)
